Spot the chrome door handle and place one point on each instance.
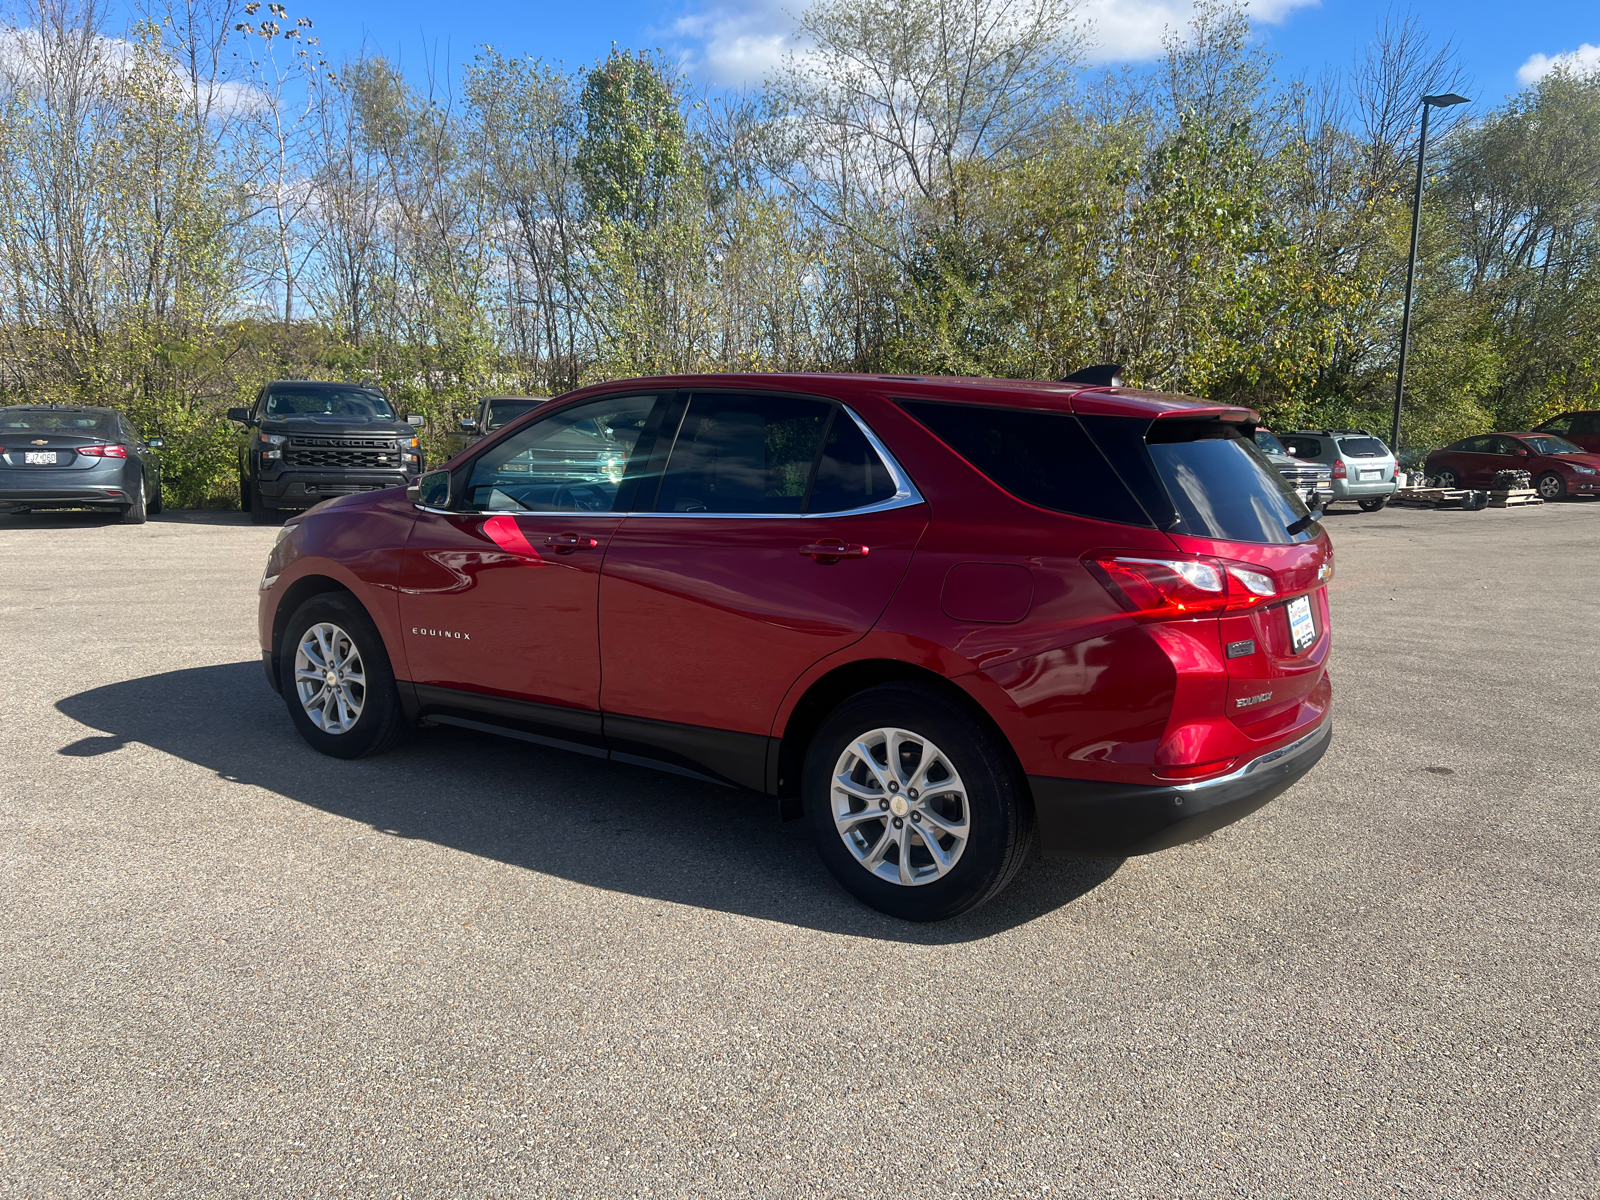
(830, 552)
(566, 543)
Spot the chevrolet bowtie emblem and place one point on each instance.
(41, 442)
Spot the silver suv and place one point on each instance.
(1310, 480)
(1361, 467)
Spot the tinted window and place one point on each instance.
(850, 474)
(56, 420)
(1562, 425)
(1270, 443)
(572, 461)
(503, 412)
(1552, 445)
(327, 401)
(1584, 424)
(1363, 447)
(1042, 457)
(1304, 447)
(1222, 486)
(743, 454)
(1477, 445)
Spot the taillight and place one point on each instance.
(104, 451)
(1161, 589)
(1338, 469)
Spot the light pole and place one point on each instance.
(1447, 100)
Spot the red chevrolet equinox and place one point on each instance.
(941, 619)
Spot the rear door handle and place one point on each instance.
(566, 543)
(830, 552)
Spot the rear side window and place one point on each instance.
(1044, 458)
(1304, 447)
(1222, 486)
(1584, 424)
(849, 474)
(1363, 447)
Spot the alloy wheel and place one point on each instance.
(329, 678)
(900, 806)
(1550, 487)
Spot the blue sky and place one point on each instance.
(731, 41)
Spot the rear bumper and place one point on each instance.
(1080, 816)
(108, 494)
(1345, 490)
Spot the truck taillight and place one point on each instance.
(1338, 469)
(103, 451)
(1163, 589)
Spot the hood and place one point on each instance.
(320, 423)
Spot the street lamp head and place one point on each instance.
(1447, 100)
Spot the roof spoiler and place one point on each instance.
(1104, 375)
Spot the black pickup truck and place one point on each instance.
(491, 413)
(305, 441)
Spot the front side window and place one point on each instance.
(572, 461)
(1584, 424)
(1561, 425)
(356, 403)
(744, 454)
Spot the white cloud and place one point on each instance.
(738, 42)
(1585, 60)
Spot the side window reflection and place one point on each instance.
(572, 461)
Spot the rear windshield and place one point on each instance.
(1363, 447)
(502, 412)
(56, 421)
(1549, 444)
(328, 401)
(1223, 486)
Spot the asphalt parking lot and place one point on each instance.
(231, 966)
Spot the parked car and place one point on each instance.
(492, 413)
(941, 619)
(1310, 480)
(1580, 428)
(1360, 466)
(67, 456)
(307, 440)
(1559, 468)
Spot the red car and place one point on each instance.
(942, 619)
(1559, 468)
(1580, 428)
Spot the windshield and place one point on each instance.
(357, 403)
(502, 412)
(1550, 444)
(1223, 487)
(1269, 442)
(1363, 447)
(56, 421)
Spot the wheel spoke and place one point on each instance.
(875, 856)
(904, 839)
(919, 777)
(941, 860)
(864, 753)
(945, 824)
(846, 821)
(843, 783)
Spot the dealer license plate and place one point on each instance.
(1302, 629)
(1378, 474)
(41, 458)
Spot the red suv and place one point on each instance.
(940, 618)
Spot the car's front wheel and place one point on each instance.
(336, 678)
(914, 806)
(260, 513)
(1551, 487)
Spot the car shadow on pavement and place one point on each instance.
(601, 824)
(83, 518)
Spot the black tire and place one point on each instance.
(1374, 504)
(260, 514)
(998, 807)
(1447, 479)
(154, 505)
(380, 725)
(244, 494)
(135, 513)
(1551, 487)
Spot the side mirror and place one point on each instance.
(155, 443)
(469, 424)
(241, 415)
(431, 491)
(416, 420)
(1520, 452)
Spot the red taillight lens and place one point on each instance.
(1159, 589)
(1338, 469)
(104, 451)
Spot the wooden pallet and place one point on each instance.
(1514, 498)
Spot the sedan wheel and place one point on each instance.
(135, 513)
(1447, 479)
(1551, 487)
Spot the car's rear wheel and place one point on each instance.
(1446, 478)
(1374, 504)
(154, 504)
(915, 807)
(244, 493)
(336, 679)
(1551, 487)
(135, 513)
